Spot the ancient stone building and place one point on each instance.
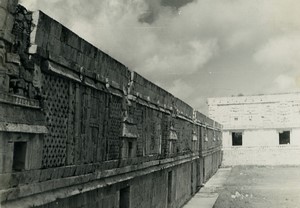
(262, 129)
(79, 129)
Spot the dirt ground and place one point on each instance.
(263, 187)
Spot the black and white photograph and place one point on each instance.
(149, 103)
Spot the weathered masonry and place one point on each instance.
(261, 129)
(79, 129)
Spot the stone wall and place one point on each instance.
(257, 111)
(79, 129)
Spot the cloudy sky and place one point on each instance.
(193, 48)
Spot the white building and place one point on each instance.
(260, 129)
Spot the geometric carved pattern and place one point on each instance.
(56, 106)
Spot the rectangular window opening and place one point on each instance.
(19, 157)
(125, 198)
(237, 138)
(284, 137)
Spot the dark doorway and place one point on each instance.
(192, 178)
(19, 157)
(237, 138)
(203, 174)
(198, 177)
(125, 197)
(170, 181)
(284, 137)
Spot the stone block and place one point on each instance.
(4, 82)
(37, 37)
(12, 69)
(7, 36)
(45, 175)
(3, 4)
(55, 29)
(68, 172)
(82, 45)
(33, 49)
(79, 170)
(34, 176)
(26, 75)
(87, 62)
(3, 14)
(72, 170)
(13, 58)
(7, 158)
(60, 172)
(31, 91)
(68, 54)
(90, 168)
(5, 181)
(55, 174)
(54, 45)
(73, 54)
(45, 40)
(64, 50)
(9, 22)
(73, 40)
(12, 5)
(10, 194)
(79, 58)
(25, 177)
(14, 180)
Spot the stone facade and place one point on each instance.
(263, 129)
(79, 129)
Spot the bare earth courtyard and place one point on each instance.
(261, 186)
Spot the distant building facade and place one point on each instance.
(261, 129)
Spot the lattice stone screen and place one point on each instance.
(56, 104)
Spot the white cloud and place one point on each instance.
(280, 57)
(285, 83)
(280, 53)
(180, 59)
(181, 89)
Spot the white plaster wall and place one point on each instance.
(253, 138)
(227, 140)
(260, 138)
(277, 155)
(295, 137)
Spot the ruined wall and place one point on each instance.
(79, 129)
